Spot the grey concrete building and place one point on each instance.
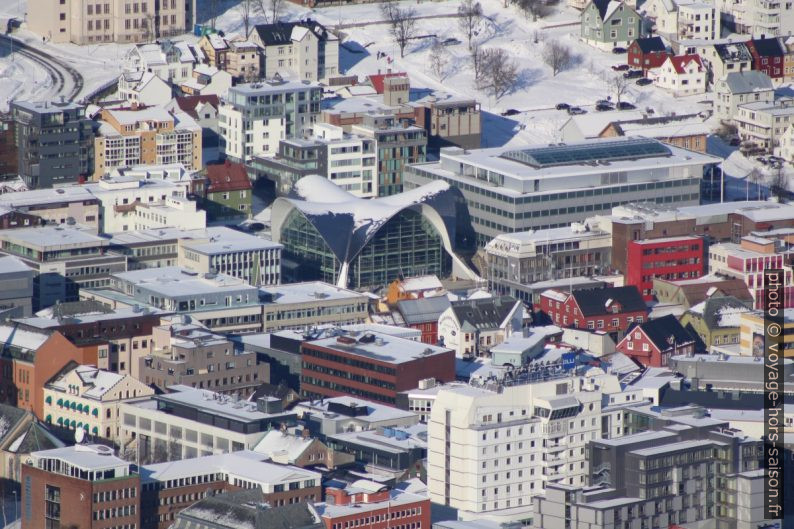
(64, 259)
(550, 186)
(190, 355)
(16, 288)
(55, 143)
(672, 467)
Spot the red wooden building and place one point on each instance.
(611, 310)
(768, 56)
(653, 342)
(647, 53)
(671, 258)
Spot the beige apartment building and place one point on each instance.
(145, 136)
(91, 21)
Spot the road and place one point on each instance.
(64, 79)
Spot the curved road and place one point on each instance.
(57, 70)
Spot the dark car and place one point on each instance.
(620, 67)
(623, 105)
(450, 42)
(575, 111)
(735, 141)
(644, 81)
(618, 51)
(633, 74)
(510, 112)
(563, 106)
(601, 107)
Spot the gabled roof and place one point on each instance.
(282, 33)
(770, 47)
(680, 62)
(696, 291)
(227, 176)
(188, 104)
(484, 313)
(422, 310)
(377, 80)
(748, 81)
(651, 44)
(664, 332)
(720, 312)
(602, 6)
(595, 301)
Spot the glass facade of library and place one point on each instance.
(406, 245)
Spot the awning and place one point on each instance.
(66, 404)
(60, 420)
(60, 402)
(95, 412)
(48, 419)
(48, 400)
(85, 427)
(95, 430)
(74, 405)
(79, 407)
(73, 423)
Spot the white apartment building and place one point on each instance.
(227, 251)
(127, 203)
(207, 80)
(765, 123)
(169, 60)
(738, 88)
(786, 148)
(143, 88)
(681, 75)
(683, 19)
(303, 50)
(492, 447)
(254, 118)
(174, 212)
(351, 160)
(82, 396)
(87, 22)
(757, 17)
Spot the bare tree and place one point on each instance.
(402, 22)
(476, 61)
(618, 85)
(439, 59)
(558, 56)
(246, 10)
(270, 9)
(779, 184)
(534, 8)
(214, 12)
(498, 73)
(469, 15)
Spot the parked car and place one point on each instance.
(735, 141)
(623, 105)
(763, 160)
(450, 41)
(510, 112)
(620, 67)
(644, 81)
(601, 107)
(563, 106)
(633, 74)
(575, 111)
(618, 51)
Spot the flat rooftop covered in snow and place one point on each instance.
(755, 210)
(546, 168)
(215, 403)
(308, 292)
(49, 238)
(381, 347)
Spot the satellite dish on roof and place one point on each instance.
(79, 435)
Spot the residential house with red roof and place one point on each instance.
(653, 342)
(228, 192)
(682, 75)
(611, 310)
(769, 56)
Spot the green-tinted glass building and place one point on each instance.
(331, 235)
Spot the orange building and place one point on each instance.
(30, 358)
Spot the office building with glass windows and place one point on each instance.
(540, 187)
(331, 235)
